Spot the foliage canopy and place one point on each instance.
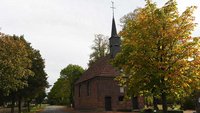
(14, 63)
(63, 90)
(158, 55)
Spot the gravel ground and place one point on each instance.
(69, 110)
(63, 109)
(189, 111)
(54, 109)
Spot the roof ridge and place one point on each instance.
(101, 67)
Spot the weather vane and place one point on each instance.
(113, 8)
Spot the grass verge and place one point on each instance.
(37, 108)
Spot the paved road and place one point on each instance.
(54, 109)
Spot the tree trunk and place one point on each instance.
(164, 102)
(197, 102)
(72, 96)
(19, 104)
(28, 105)
(155, 103)
(13, 103)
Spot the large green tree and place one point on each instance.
(38, 82)
(21, 70)
(63, 90)
(158, 55)
(71, 73)
(59, 93)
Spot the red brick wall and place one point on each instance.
(85, 101)
(100, 87)
(109, 87)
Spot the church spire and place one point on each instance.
(114, 29)
(115, 41)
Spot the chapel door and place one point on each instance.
(135, 102)
(108, 105)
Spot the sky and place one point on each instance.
(63, 30)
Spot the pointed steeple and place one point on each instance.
(113, 30)
(115, 40)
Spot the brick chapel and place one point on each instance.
(96, 89)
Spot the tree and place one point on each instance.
(21, 70)
(71, 73)
(40, 97)
(63, 89)
(100, 48)
(38, 82)
(59, 93)
(158, 55)
(14, 63)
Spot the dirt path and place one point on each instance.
(54, 109)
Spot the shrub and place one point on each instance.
(189, 103)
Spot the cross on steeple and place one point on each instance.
(114, 40)
(113, 8)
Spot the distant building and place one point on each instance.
(97, 89)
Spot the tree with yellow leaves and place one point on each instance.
(14, 63)
(158, 55)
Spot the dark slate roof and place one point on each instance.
(101, 67)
